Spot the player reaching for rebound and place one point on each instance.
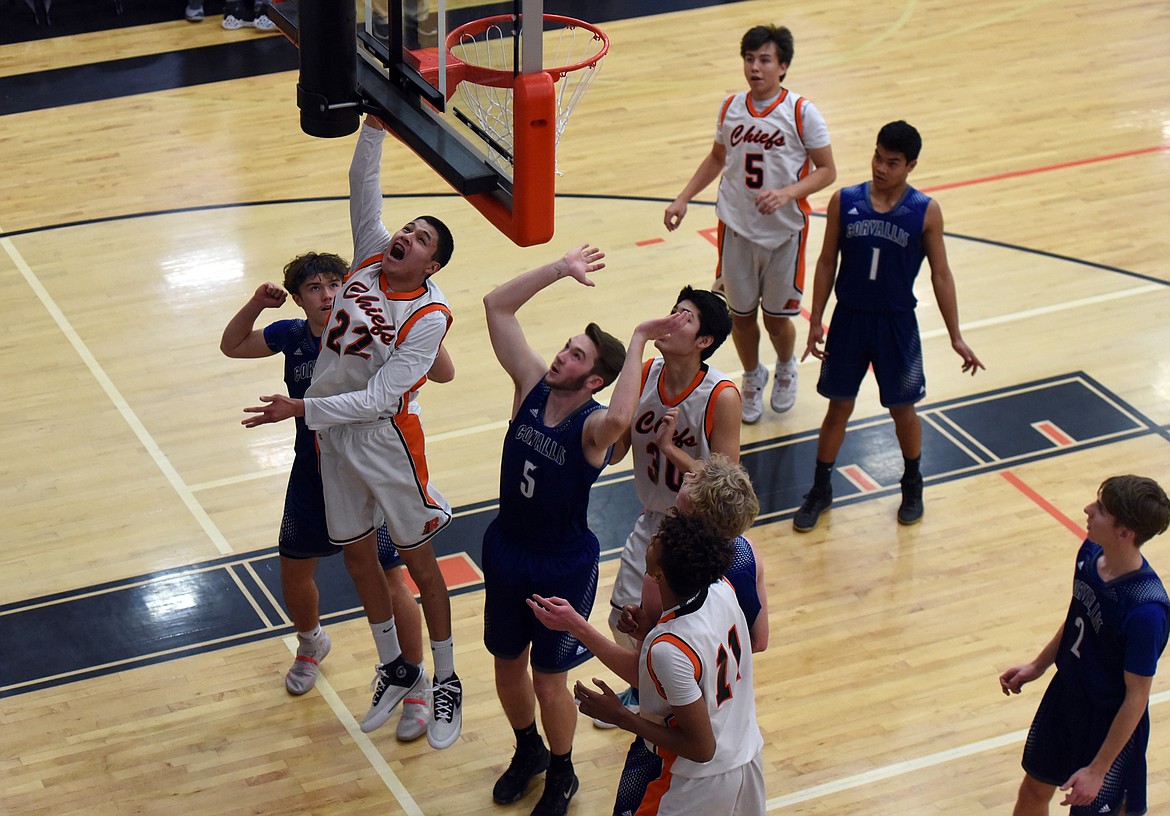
(558, 441)
(1090, 732)
(772, 148)
(383, 335)
(881, 230)
(686, 411)
(313, 280)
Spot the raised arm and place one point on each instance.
(943, 282)
(240, 337)
(520, 360)
(365, 192)
(709, 169)
(605, 428)
(824, 276)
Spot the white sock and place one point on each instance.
(313, 635)
(386, 640)
(443, 652)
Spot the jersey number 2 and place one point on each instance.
(357, 346)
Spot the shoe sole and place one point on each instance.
(448, 741)
(810, 527)
(372, 723)
(910, 522)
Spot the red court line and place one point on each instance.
(1047, 506)
(649, 241)
(859, 477)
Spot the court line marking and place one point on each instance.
(1043, 503)
(363, 742)
(123, 407)
(910, 765)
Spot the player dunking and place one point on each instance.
(558, 441)
(686, 411)
(881, 230)
(313, 280)
(1092, 727)
(383, 335)
(772, 148)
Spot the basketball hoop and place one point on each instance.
(483, 53)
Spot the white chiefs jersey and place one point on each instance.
(656, 480)
(376, 349)
(703, 651)
(767, 148)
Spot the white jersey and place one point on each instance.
(767, 148)
(703, 651)
(656, 479)
(378, 344)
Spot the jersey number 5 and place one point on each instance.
(527, 483)
(753, 170)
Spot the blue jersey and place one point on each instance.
(742, 576)
(293, 339)
(545, 481)
(1112, 628)
(881, 253)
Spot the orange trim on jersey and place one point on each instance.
(680, 644)
(656, 790)
(798, 280)
(758, 114)
(364, 264)
(392, 295)
(405, 328)
(709, 413)
(686, 392)
(799, 117)
(410, 428)
(723, 111)
(645, 373)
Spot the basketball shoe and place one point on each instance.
(784, 386)
(392, 682)
(303, 674)
(447, 717)
(910, 511)
(816, 501)
(416, 713)
(753, 394)
(527, 762)
(558, 792)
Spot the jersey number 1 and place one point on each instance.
(722, 687)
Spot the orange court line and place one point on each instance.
(1052, 432)
(649, 241)
(1048, 507)
(458, 571)
(859, 477)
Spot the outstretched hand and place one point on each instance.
(816, 336)
(659, 327)
(602, 705)
(555, 613)
(970, 361)
(279, 407)
(579, 263)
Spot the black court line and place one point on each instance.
(147, 619)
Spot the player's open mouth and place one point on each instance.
(397, 252)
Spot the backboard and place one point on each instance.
(506, 169)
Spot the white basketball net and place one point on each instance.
(494, 48)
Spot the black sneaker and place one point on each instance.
(392, 682)
(816, 501)
(558, 792)
(526, 763)
(910, 512)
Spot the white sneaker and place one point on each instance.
(303, 674)
(262, 23)
(416, 713)
(231, 22)
(392, 683)
(193, 14)
(784, 386)
(447, 720)
(753, 394)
